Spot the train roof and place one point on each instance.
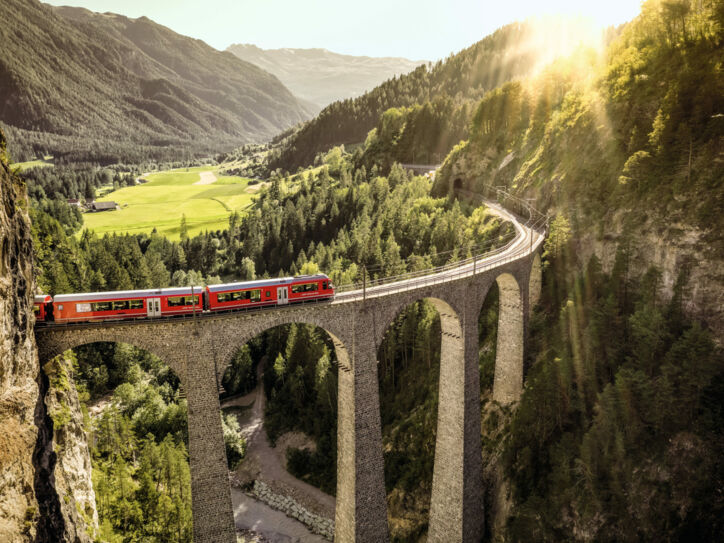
(42, 298)
(266, 282)
(121, 294)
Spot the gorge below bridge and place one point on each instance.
(199, 349)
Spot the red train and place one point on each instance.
(131, 304)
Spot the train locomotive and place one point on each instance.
(176, 301)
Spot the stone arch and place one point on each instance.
(448, 464)
(233, 340)
(508, 381)
(52, 343)
(535, 283)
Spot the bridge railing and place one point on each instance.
(535, 223)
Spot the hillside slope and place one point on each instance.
(112, 87)
(453, 85)
(628, 146)
(618, 434)
(321, 76)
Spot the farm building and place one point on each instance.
(104, 206)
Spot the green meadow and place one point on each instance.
(166, 197)
(46, 162)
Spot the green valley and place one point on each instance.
(167, 197)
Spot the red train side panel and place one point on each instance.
(268, 292)
(133, 304)
(127, 304)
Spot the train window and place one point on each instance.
(176, 301)
(228, 296)
(135, 304)
(304, 287)
(82, 308)
(268, 293)
(36, 309)
(253, 295)
(325, 285)
(101, 306)
(120, 305)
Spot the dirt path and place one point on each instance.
(207, 178)
(266, 463)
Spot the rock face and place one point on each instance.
(32, 474)
(73, 467)
(19, 509)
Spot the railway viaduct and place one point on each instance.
(199, 350)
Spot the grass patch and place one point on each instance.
(46, 162)
(167, 196)
(231, 180)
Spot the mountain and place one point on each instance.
(321, 76)
(452, 88)
(75, 82)
(630, 141)
(620, 425)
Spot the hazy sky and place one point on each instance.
(416, 29)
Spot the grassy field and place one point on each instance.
(47, 162)
(167, 196)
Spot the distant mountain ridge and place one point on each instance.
(445, 92)
(72, 81)
(321, 76)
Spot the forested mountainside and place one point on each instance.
(448, 90)
(627, 145)
(618, 435)
(102, 87)
(322, 76)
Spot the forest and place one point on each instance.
(638, 127)
(443, 95)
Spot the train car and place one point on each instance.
(127, 304)
(267, 292)
(307, 287)
(43, 307)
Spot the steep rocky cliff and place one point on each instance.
(38, 463)
(19, 509)
(73, 467)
